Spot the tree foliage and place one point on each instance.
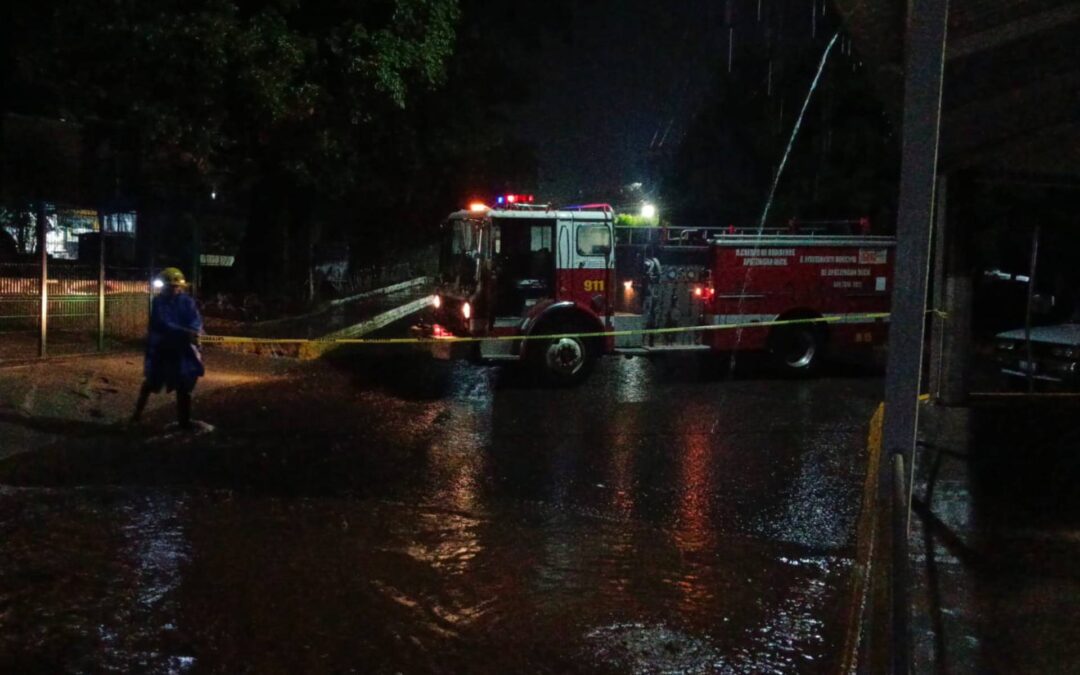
(287, 103)
(216, 83)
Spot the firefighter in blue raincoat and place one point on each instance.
(173, 360)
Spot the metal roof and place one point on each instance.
(559, 214)
(1011, 98)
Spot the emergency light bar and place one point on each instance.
(514, 199)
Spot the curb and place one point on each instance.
(865, 541)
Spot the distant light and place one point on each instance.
(437, 302)
(158, 284)
(698, 291)
(648, 211)
(628, 285)
(213, 194)
(477, 207)
(466, 311)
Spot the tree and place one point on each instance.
(283, 99)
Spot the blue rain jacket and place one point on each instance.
(173, 359)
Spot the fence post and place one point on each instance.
(101, 285)
(1032, 269)
(43, 295)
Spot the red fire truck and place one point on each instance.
(520, 269)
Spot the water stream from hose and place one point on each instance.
(795, 131)
(776, 181)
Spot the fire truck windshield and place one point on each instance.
(459, 251)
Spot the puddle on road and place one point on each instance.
(88, 581)
(159, 584)
(573, 537)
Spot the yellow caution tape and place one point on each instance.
(846, 318)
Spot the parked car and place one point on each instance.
(1054, 357)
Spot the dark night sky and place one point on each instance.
(623, 70)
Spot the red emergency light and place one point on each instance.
(704, 292)
(514, 199)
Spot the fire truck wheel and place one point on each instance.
(798, 350)
(563, 361)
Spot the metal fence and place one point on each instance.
(80, 317)
(422, 262)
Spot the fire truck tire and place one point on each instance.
(562, 361)
(798, 350)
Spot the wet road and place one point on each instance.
(392, 514)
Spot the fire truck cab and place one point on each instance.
(527, 270)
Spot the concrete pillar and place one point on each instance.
(937, 324)
(950, 344)
(958, 296)
(923, 75)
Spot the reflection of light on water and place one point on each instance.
(641, 648)
(792, 630)
(789, 637)
(818, 507)
(456, 456)
(448, 545)
(157, 547)
(623, 454)
(453, 544)
(693, 528)
(444, 536)
(633, 384)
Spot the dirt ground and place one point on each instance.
(43, 402)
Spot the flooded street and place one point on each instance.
(393, 514)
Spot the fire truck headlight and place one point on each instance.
(437, 302)
(466, 311)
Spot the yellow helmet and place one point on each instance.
(173, 277)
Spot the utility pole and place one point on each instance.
(101, 284)
(43, 257)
